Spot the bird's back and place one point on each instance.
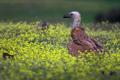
(82, 42)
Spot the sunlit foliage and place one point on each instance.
(43, 55)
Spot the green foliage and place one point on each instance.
(43, 55)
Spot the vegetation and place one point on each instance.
(43, 55)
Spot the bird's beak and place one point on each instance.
(67, 16)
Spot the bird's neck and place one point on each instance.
(76, 23)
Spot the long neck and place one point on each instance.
(76, 23)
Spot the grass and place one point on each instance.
(43, 55)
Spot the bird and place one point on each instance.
(80, 41)
(43, 25)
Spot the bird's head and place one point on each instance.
(75, 15)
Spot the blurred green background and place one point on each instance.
(53, 10)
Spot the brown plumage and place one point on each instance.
(81, 42)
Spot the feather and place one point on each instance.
(81, 42)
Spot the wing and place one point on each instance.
(83, 46)
(81, 38)
(98, 44)
(74, 49)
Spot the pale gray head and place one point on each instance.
(75, 15)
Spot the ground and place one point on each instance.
(43, 55)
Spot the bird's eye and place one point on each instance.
(71, 14)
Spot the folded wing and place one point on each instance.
(81, 42)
